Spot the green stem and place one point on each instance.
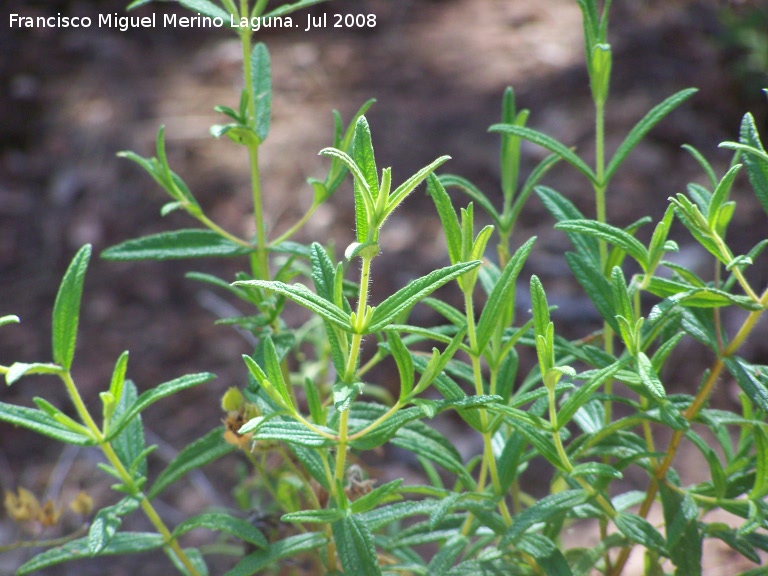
(350, 370)
(259, 262)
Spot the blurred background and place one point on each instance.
(70, 99)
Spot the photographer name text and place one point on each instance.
(125, 23)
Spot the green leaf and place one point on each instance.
(584, 393)
(404, 364)
(151, 396)
(562, 209)
(205, 7)
(221, 522)
(18, 370)
(760, 489)
(702, 161)
(595, 469)
(355, 546)
(191, 243)
(447, 215)
(447, 554)
(640, 531)
(416, 290)
(720, 196)
(363, 155)
(385, 492)
(261, 87)
(539, 307)
(210, 447)
(716, 471)
(306, 298)
(107, 522)
(10, 319)
(292, 431)
(129, 445)
(323, 272)
(757, 167)
(499, 298)
(640, 129)
(697, 297)
(324, 516)
(290, 547)
(450, 180)
(40, 422)
(615, 236)
(116, 387)
(597, 287)
(550, 144)
(648, 376)
(549, 507)
(748, 381)
(61, 418)
(66, 310)
(547, 555)
(402, 191)
(123, 543)
(274, 371)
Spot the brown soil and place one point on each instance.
(71, 99)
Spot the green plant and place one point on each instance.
(309, 410)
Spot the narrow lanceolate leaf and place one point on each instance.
(66, 310)
(550, 144)
(306, 298)
(402, 191)
(747, 379)
(261, 86)
(20, 369)
(107, 522)
(151, 396)
(40, 422)
(123, 543)
(477, 196)
(584, 393)
(389, 309)
(10, 319)
(355, 546)
(448, 217)
(757, 167)
(191, 243)
(640, 129)
(547, 555)
(501, 294)
(549, 507)
(615, 236)
(210, 447)
(596, 285)
(562, 209)
(720, 195)
(130, 445)
(760, 489)
(323, 272)
(221, 522)
(290, 547)
(648, 376)
(640, 531)
(380, 494)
